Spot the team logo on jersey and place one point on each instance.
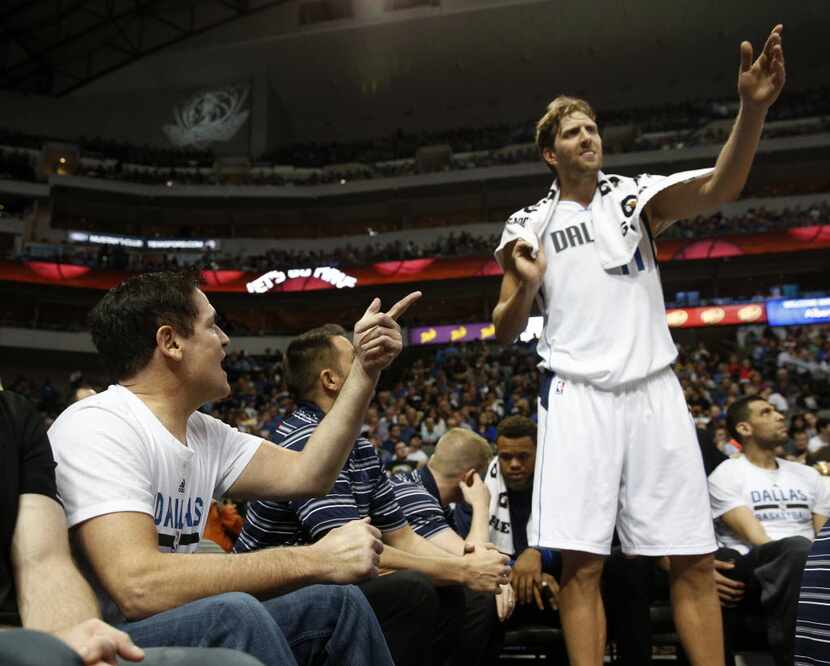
(559, 386)
(181, 486)
(629, 205)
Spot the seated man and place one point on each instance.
(138, 465)
(767, 512)
(509, 479)
(452, 475)
(40, 588)
(316, 366)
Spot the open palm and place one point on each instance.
(760, 82)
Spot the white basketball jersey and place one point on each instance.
(606, 327)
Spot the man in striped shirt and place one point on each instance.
(420, 605)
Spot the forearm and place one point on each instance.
(54, 595)
(735, 158)
(164, 580)
(332, 441)
(511, 314)
(753, 535)
(443, 570)
(479, 525)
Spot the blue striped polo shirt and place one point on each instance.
(361, 489)
(418, 496)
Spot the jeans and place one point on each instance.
(320, 624)
(22, 647)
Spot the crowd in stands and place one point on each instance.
(454, 244)
(475, 385)
(675, 126)
(472, 388)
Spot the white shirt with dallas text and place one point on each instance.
(114, 455)
(783, 500)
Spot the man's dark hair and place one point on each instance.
(125, 320)
(738, 412)
(306, 356)
(514, 427)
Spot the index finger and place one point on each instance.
(403, 305)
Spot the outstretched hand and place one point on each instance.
(377, 335)
(760, 82)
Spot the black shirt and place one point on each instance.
(26, 466)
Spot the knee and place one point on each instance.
(796, 549)
(240, 606)
(417, 587)
(585, 569)
(693, 569)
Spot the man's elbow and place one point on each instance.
(136, 600)
(139, 593)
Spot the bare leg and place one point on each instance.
(697, 612)
(580, 607)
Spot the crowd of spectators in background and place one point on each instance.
(475, 385)
(460, 243)
(670, 127)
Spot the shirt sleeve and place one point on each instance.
(650, 186)
(37, 465)
(724, 489)
(102, 465)
(421, 509)
(386, 513)
(237, 449)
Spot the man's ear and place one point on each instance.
(468, 477)
(167, 342)
(744, 429)
(550, 156)
(329, 379)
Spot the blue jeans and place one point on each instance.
(320, 624)
(22, 647)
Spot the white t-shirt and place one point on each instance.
(114, 455)
(783, 500)
(605, 327)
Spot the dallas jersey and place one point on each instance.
(606, 327)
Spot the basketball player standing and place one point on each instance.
(616, 443)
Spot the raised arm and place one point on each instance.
(277, 473)
(523, 275)
(759, 85)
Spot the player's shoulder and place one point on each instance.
(524, 217)
(799, 469)
(113, 412)
(729, 468)
(110, 405)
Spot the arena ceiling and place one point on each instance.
(56, 46)
(437, 65)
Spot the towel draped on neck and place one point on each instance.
(616, 208)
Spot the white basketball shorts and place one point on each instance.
(627, 457)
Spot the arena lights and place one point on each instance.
(267, 281)
(151, 244)
(789, 312)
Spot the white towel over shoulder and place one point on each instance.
(616, 207)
